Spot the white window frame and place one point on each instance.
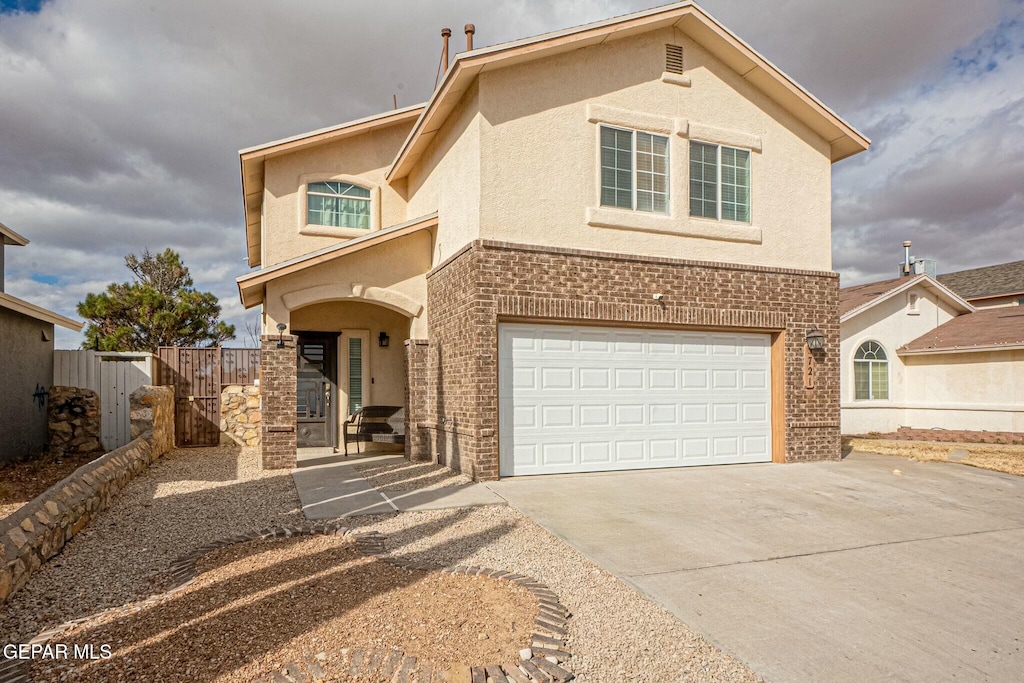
(888, 373)
(314, 230)
(634, 171)
(718, 183)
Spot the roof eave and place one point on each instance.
(11, 238)
(38, 312)
(1016, 346)
(251, 287)
(927, 280)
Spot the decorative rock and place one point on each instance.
(526, 653)
(239, 412)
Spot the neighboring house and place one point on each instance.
(1000, 285)
(602, 248)
(26, 359)
(915, 354)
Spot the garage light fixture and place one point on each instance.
(280, 335)
(815, 339)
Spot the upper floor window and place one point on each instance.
(634, 170)
(719, 182)
(870, 372)
(338, 205)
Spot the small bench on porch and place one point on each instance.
(375, 424)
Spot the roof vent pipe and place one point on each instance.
(470, 30)
(446, 33)
(906, 257)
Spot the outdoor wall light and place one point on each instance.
(815, 339)
(281, 327)
(383, 340)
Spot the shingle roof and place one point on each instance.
(983, 329)
(851, 298)
(1005, 278)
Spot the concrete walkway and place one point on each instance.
(814, 572)
(329, 486)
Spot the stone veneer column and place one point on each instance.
(417, 391)
(277, 387)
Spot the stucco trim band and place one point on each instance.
(676, 79)
(388, 298)
(721, 136)
(603, 217)
(625, 118)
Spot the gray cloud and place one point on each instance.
(120, 119)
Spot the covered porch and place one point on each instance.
(335, 327)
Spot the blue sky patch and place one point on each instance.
(45, 279)
(12, 6)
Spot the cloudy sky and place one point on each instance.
(120, 120)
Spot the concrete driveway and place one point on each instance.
(814, 572)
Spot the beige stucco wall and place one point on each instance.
(364, 158)
(949, 391)
(391, 275)
(540, 168)
(386, 385)
(447, 179)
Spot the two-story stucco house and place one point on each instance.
(603, 248)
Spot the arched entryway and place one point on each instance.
(350, 354)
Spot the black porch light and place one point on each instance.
(280, 335)
(383, 340)
(815, 339)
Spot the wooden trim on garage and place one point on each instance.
(778, 364)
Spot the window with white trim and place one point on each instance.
(719, 182)
(338, 205)
(870, 372)
(634, 170)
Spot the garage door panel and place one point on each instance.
(575, 399)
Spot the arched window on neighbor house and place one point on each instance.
(870, 372)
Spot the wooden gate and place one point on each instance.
(195, 375)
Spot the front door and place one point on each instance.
(316, 388)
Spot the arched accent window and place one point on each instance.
(338, 204)
(871, 372)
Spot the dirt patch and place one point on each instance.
(948, 436)
(410, 476)
(1001, 458)
(20, 482)
(257, 606)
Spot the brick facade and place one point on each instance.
(277, 388)
(456, 423)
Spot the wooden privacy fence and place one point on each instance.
(197, 375)
(113, 376)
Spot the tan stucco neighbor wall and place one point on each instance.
(363, 159)
(972, 391)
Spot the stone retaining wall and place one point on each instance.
(40, 528)
(74, 417)
(240, 416)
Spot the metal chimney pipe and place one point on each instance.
(446, 33)
(470, 30)
(906, 257)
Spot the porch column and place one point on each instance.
(277, 389)
(417, 445)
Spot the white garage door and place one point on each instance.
(587, 399)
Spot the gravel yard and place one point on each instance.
(191, 497)
(185, 499)
(258, 606)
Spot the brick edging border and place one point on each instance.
(548, 651)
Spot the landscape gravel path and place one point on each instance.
(191, 497)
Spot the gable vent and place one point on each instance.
(674, 59)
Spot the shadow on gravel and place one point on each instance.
(213, 630)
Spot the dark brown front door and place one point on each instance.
(316, 389)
